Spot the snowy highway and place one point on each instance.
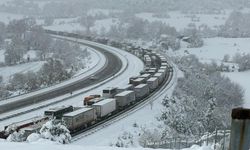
(131, 67)
(103, 73)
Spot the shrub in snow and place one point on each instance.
(16, 137)
(147, 135)
(55, 132)
(243, 61)
(135, 125)
(4, 92)
(125, 140)
(33, 137)
(11, 128)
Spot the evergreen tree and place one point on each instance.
(55, 131)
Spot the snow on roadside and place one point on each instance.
(242, 78)
(90, 62)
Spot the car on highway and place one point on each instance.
(93, 77)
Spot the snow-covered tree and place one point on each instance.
(146, 136)
(203, 96)
(87, 21)
(18, 81)
(136, 28)
(32, 81)
(52, 72)
(243, 61)
(2, 33)
(226, 58)
(14, 52)
(55, 131)
(48, 21)
(17, 28)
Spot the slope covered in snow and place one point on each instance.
(242, 78)
(216, 48)
(7, 72)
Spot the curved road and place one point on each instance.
(109, 70)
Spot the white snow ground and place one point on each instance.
(181, 21)
(216, 48)
(8, 72)
(7, 17)
(52, 146)
(70, 25)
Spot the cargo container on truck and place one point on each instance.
(141, 91)
(105, 107)
(152, 83)
(125, 98)
(125, 88)
(80, 118)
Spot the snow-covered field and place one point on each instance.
(181, 21)
(70, 25)
(4, 1)
(8, 72)
(7, 17)
(216, 48)
(176, 19)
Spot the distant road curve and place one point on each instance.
(107, 71)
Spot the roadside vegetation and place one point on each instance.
(60, 59)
